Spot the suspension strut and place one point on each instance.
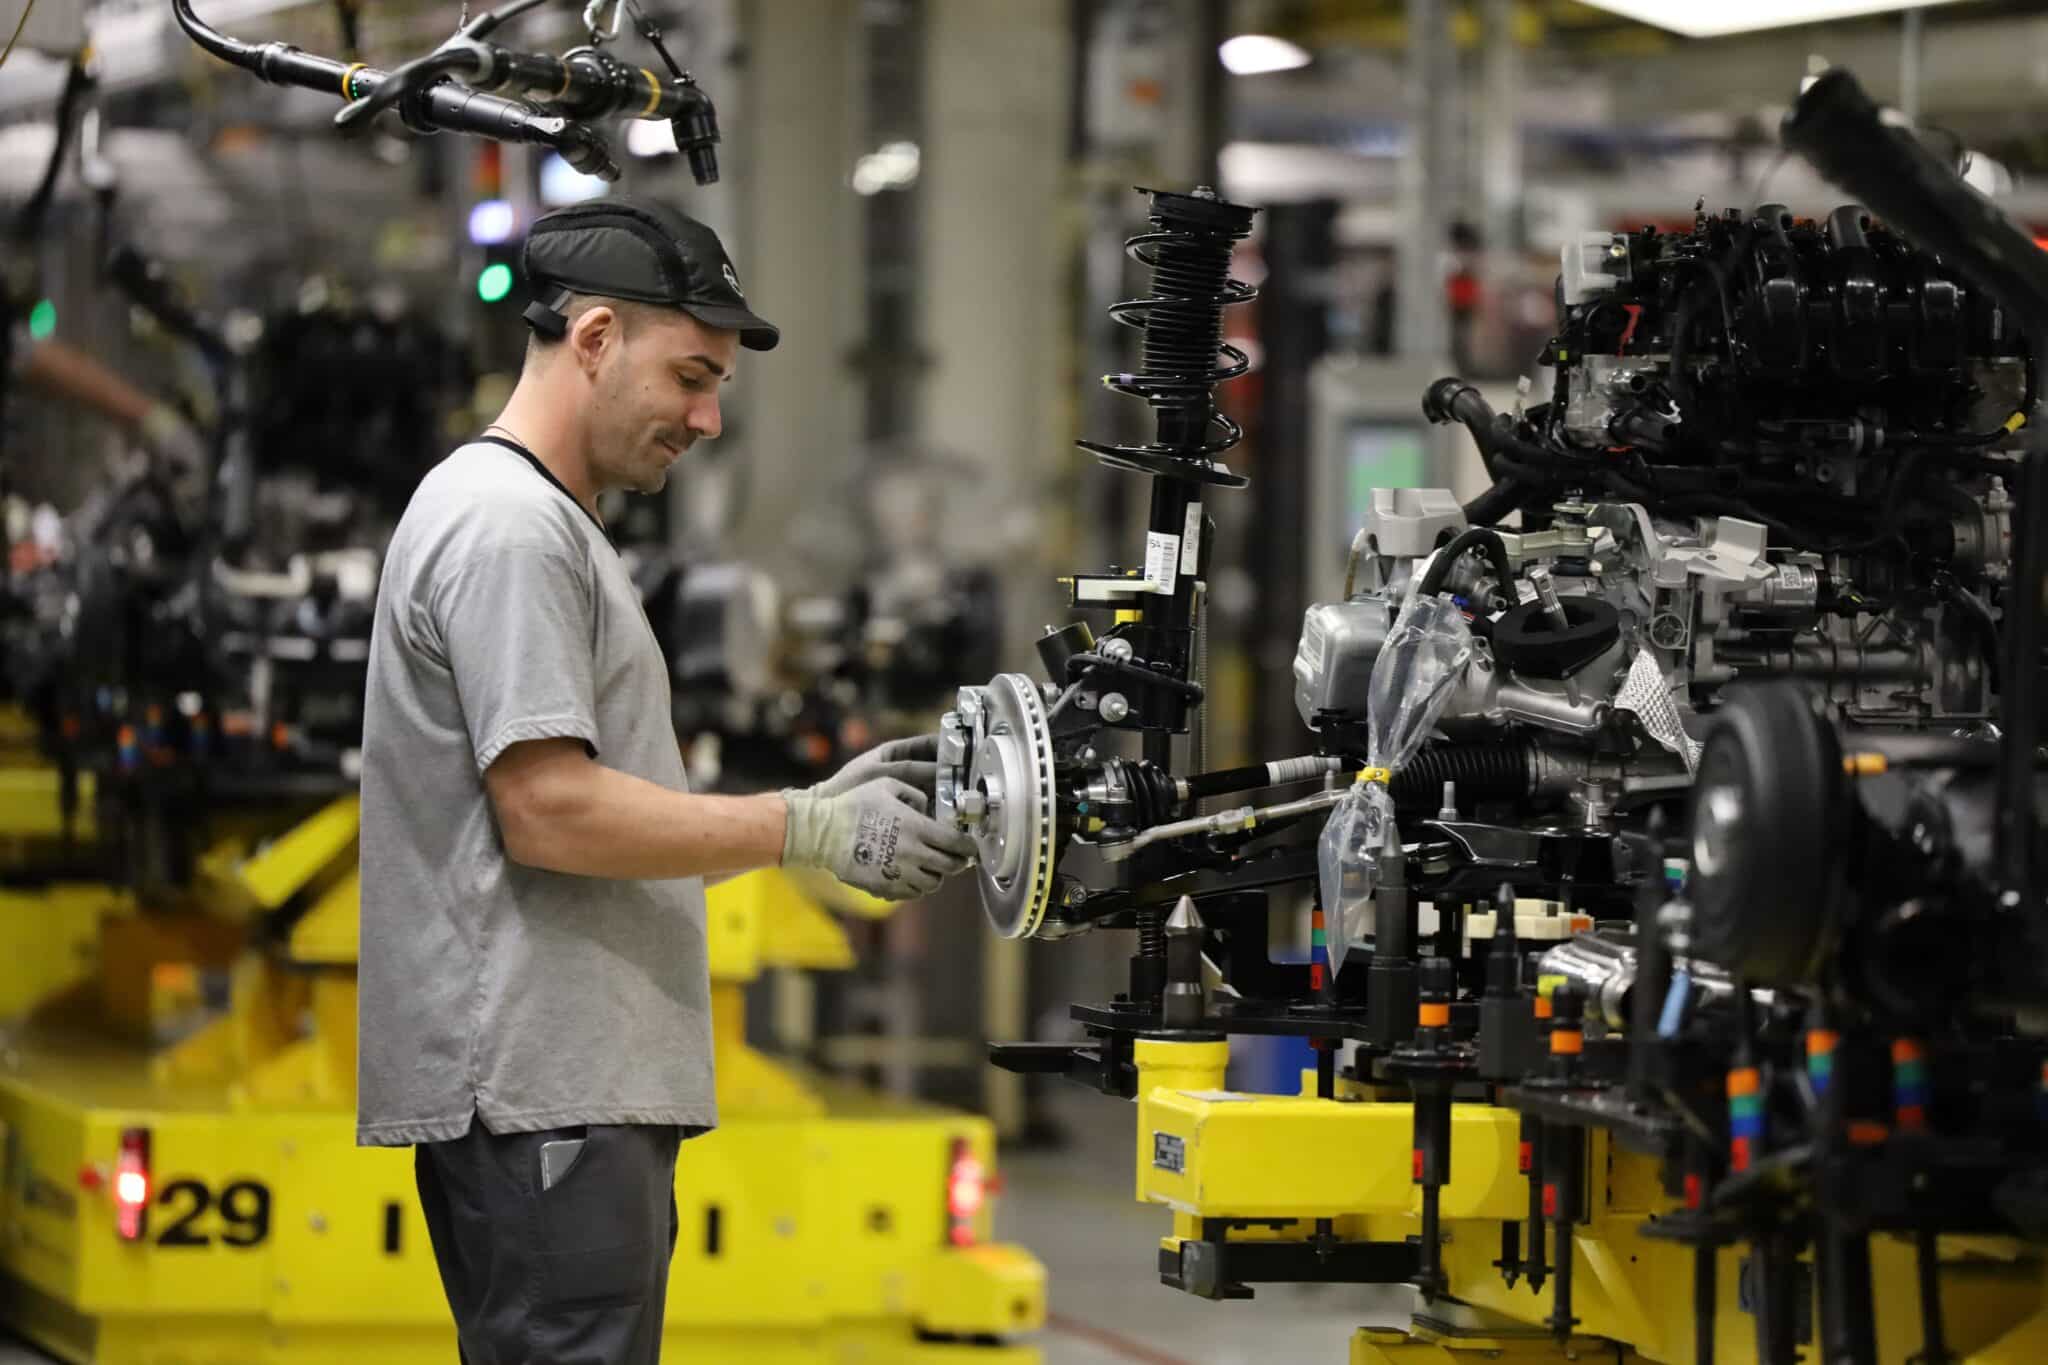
(1182, 359)
(1185, 356)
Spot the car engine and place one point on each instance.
(1772, 450)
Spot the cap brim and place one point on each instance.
(756, 333)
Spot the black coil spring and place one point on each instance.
(1184, 356)
(1151, 924)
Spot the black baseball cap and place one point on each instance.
(642, 250)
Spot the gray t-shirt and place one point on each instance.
(536, 999)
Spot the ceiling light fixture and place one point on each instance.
(1256, 54)
(1718, 18)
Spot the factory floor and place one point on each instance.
(1073, 1207)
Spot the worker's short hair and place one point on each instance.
(575, 306)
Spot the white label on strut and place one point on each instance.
(1161, 552)
(1191, 542)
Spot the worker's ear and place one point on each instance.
(595, 331)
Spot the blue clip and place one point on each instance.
(1675, 1001)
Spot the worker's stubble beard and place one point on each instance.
(623, 453)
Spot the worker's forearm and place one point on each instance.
(64, 371)
(612, 824)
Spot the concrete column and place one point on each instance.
(1500, 133)
(797, 255)
(1423, 322)
(1196, 115)
(996, 253)
(996, 91)
(997, 243)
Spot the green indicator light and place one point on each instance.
(495, 282)
(42, 319)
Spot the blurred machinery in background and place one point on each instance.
(200, 636)
(772, 686)
(1677, 854)
(180, 913)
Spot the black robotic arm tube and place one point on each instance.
(581, 85)
(278, 63)
(453, 107)
(1838, 128)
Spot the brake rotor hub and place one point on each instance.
(996, 783)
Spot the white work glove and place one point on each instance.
(876, 838)
(914, 760)
(170, 438)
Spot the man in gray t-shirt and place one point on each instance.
(535, 1011)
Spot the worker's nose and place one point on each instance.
(705, 419)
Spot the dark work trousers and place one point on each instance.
(576, 1274)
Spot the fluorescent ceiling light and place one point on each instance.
(1715, 18)
(892, 166)
(492, 221)
(1255, 54)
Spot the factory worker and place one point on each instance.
(535, 1006)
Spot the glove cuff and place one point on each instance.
(159, 426)
(800, 827)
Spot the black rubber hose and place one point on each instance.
(1481, 538)
(28, 220)
(1454, 400)
(1451, 399)
(1519, 468)
(1489, 507)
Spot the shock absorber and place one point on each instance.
(1183, 359)
(1185, 356)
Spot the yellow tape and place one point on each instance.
(2016, 421)
(1863, 765)
(653, 92)
(1380, 775)
(348, 76)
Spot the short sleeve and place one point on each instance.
(518, 623)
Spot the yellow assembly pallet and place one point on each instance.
(1274, 1164)
(815, 1223)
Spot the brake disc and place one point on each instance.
(996, 783)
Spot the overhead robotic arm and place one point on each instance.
(551, 100)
